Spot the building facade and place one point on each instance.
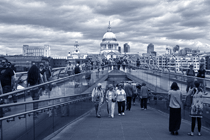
(126, 48)
(109, 44)
(150, 48)
(36, 51)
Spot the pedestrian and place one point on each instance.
(69, 68)
(123, 65)
(48, 70)
(129, 94)
(138, 88)
(102, 66)
(98, 98)
(196, 112)
(8, 84)
(138, 63)
(135, 93)
(8, 77)
(77, 69)
(144, 96)
(118, 64)
(42, 72)
(33, 79)
(201, 74)
(190, 80)
(175, 104)
(111, 100)
(121, 97)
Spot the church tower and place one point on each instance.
(76, 48)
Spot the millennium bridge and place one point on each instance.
(64, 110)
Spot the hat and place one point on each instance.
(3, 60)
(99, 84)
(41, 64)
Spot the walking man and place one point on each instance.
(129, 94)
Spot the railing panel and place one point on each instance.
(46, 120)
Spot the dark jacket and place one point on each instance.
(129, 90)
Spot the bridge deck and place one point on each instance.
(136, 124)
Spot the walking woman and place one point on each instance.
(196, 112)
(175, 104)
(111, 99)
(144, 95)
(121, 97)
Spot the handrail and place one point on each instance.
(25, 72)
(40, 100)
(177, 74)
(49, 82)
(36, 110)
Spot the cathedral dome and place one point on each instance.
(109, 35)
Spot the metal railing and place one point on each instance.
(32, 112)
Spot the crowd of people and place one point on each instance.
(122, 94)
(35, 75)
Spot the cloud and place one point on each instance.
(137, 22)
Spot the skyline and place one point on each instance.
(138, 23)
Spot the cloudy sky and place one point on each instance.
(59, 23)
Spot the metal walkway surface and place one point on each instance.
(137, 124)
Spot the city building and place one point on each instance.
(76, 54)
(119, 49)
(126, 48)
(150, 48)
(23, 63)
(59, 62)
(36, 51)
(109, 44)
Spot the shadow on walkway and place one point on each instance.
(137, 124)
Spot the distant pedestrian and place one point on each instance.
(138, 89)
(77, 69)
(175, 104)
(97, 99)
(123, 65)
(102, 66)
(69, 68)
(201, 74)
(144, 96)
(121, 98)
(32, 80)
(138, 62)
(111, 100)
(134, 93)
(196, 112)
(42, 72)
(190, 80)
(129, 94)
